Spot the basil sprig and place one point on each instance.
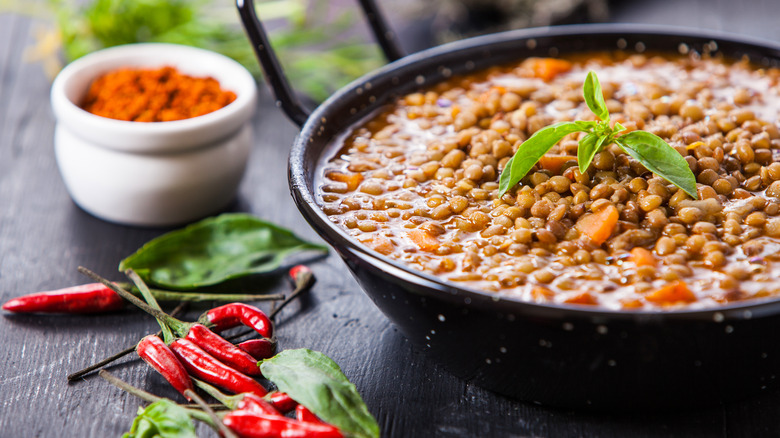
(647, 148)
(316, 381)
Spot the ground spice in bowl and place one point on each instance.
(154, 95)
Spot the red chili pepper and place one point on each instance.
(258, 348)
(282, 402)
(254, 425)
(298, 272)
(205, 367)
(234, 314)
(87, 298)
(302, 413)
(154, 351)
(223, 350)
(253, 403)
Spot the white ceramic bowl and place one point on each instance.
(152, 174)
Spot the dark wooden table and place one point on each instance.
(44, 237)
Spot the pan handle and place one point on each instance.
(285, 97)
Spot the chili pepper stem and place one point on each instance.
(166, 295)
(180, 327)
(215, 423)
(146, 396)
(231, 401)
(149, 298)
(301, 286)
(121, 354)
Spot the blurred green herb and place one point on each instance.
(319, 55)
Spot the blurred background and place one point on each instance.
(324, 44)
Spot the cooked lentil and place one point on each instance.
(615, 236)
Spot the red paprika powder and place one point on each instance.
(154, 95)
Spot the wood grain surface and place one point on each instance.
(44, 237)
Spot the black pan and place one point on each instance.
(543, 353)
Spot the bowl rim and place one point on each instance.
(305, 200)
(154, 137)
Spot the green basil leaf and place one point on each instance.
(315, 381)
(162, 419)
(532, 149)
(213, 250)
(588, 148)
(594, 97)
(660, 158)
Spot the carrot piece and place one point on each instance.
(352, 180)
(553, 163)
(582, 298)
(674, 292)
(548, 68)
(642, 257)
(380, 244)
(542, 294)
(599, 225)
(632, 304)
(424, 240)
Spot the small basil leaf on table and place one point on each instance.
(162, 419)
(214, 250)
(660, 158)
(594, 98)
(588, 147)
(534, 148)
(316, 381)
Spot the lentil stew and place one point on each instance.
(418, 182)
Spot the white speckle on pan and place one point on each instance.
(359, 91)
(442, 318)
(353, 110)
(419, 80)
(372, 99)
(612, 363)
(496, 299)
(772, 377)
(602, 329)
(729, 329)
(747, 314)
(697, 363)
(433, 332)
(764, 355)
(470, 65)
(553, 51)
(718, 317)
(502, 349)
(428, 345)
(640, 47)
(763, 386)
(427, 338)
(446, 72)
(622, 43)
(467, 300)
(392, 296)
(488, 361)
(323, 120)
(683, 49)
(531, 44)
(368, 85)
(568, 326)
(278, 103)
